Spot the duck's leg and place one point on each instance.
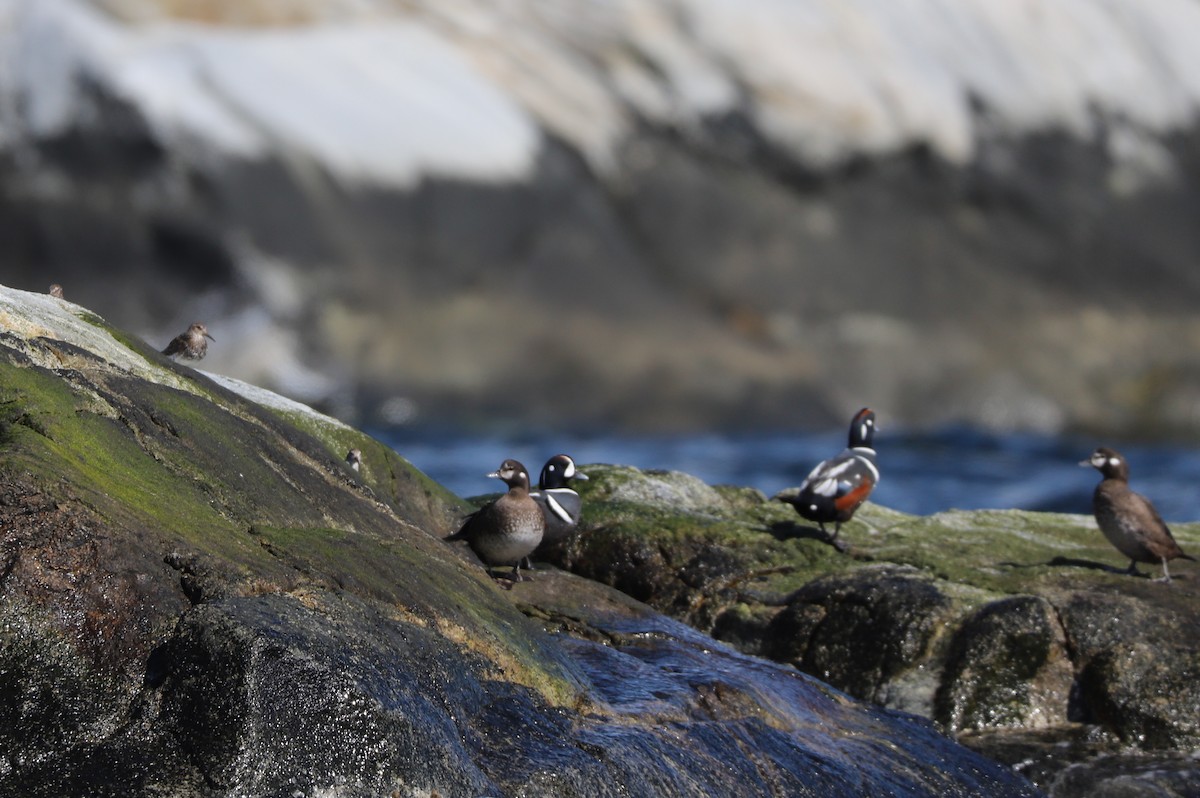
(1166, 577)
(833, 541)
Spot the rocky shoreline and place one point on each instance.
(1014, 631)
(198, 597)
(201, 598)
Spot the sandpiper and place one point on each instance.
(190, 344)
(1128, 519)
(55, 291)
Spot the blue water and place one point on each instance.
(921, 472)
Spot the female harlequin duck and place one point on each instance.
(509, 528)
(837, 487)
(1128, 519)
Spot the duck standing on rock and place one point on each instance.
(561, 505)
(837, 487)
(508, 529)
(1128, 519)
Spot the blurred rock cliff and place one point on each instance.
(670, 214)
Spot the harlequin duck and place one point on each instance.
(1128, 519)
(837, 487)
(509, 528)
(354, 459)
(190, 343)
(560, 504)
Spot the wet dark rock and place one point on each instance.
(1139, 663)
(859, 631)
(1007, 666)
(1118, 776)
(197, 598)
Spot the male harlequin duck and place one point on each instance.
(190, 343)
(508, 529)
(560, 504)
(354, 459)
(837, 487)
(1128, 519)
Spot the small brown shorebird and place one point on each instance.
(190, 344)
(55, 291)
(510, 528)
(354, 459)
(1128, 519)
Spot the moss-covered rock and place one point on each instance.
(199, 598)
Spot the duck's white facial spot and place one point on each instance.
(569, 471)
(1113, 461)
(1098, 460)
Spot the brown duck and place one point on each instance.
(1128, 519)
(508, 529)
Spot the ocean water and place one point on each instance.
(922, 473)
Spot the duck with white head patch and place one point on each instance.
(1128, 519)
(837, 487)
(561, 505)
(508, 529)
